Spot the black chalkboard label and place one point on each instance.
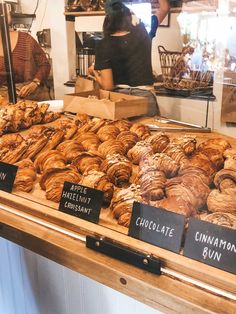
(157, 226)
(81, 201)
(7, 176)
(211, 244)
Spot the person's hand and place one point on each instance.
(28, 89)
(91, 70)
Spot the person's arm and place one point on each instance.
(162, 11)
(103, 77)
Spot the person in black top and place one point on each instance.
(123, 56)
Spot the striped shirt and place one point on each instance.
(29, 61)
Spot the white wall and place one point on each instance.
(32, 284)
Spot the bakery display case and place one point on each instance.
(145, 206)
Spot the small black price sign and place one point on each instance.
(157, 226)
(7, 176)
(211, 244)
(81, 201)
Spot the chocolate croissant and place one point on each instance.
(100, 181)
(118, 168)
(25, 176)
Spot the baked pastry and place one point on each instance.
(176, 152)
(89, 140)
(200, 161)
(49, 159)
(111, 147)
(163, 163)
(55, 136)
(175, 204)
(100, 181)
(50, 116)
(82, 118)
(140, 151)
(86, 161)
(70, 149)
(122, 203)
(36, 141)
(159, 141)
(122, 125)
(222, 219)
(188, 143)
(141, 130)
(118, 168)
(52, 181)
(230, 159)
(68, 126)
(108, 132)
(25, 176)
(152, 183)
(97, 123)
(217, 143)
(12, 148)
(225, 174)
(214, 155)
(128, 138)
(221, 202)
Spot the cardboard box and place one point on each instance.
(105, 104)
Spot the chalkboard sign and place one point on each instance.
(157, 226)
(211, 244)
(7, 176)
(81, 201)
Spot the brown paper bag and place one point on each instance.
(228, 109)
(85, 84)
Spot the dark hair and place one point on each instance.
(118, 20)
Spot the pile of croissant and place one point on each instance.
(128, 163)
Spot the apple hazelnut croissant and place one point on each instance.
(111, 147)
(86, 161)
(25, 176)
(108, 132)
(140, 151)
(118, 168)
(100, 181)
(49, 159)
(52, 181)
(70, 149)
(89, 140)
(159, 141)
(141, 130)
(128, 138)
(122, 203)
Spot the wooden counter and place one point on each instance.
(185, 285)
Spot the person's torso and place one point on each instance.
(130, 57)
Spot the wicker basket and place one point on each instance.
(177, 75)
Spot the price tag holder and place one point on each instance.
(81, 201)
(211, 244)
(157, 226)
(7, 176)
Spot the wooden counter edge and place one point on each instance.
(160, 292)
(194, 269)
